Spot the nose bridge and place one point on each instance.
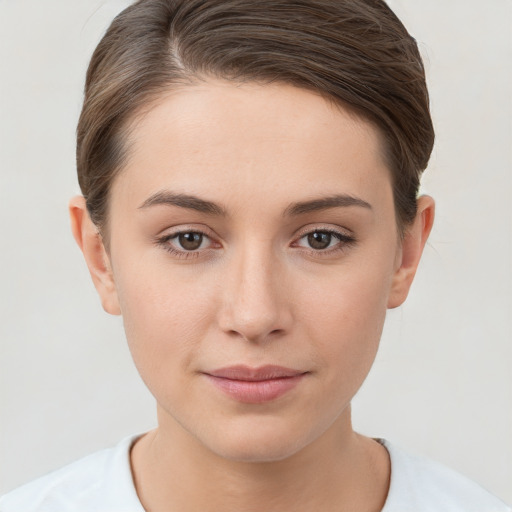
(253, 304)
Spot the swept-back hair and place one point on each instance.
(355, 53)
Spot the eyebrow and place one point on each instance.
(324, 203)
(191, 202)
(184, 201)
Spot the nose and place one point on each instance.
(255, 305)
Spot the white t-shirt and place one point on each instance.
(102, 482)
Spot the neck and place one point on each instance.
(339, 470)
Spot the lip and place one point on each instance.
(255, 385)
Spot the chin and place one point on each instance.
(257, 441)
(254, 451)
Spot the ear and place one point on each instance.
(90, 242)
(410, 252)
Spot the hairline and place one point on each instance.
(154, 98)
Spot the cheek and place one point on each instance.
(166, 314)
(345, 315)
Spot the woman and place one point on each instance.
(250, 175)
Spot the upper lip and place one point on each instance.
(242, 372)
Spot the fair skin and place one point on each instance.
(265, 276)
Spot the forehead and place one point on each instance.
(215, 137)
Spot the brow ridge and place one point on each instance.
(190, 202)
(324, 203)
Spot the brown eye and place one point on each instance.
(319, 240)
(190, 241)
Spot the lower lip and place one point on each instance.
(256, 392)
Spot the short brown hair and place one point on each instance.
(356, 53)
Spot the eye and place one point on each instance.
(325, 240)
(319, 240)
(186, 244)
(190, 241)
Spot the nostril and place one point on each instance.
(259, 337)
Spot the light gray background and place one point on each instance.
(442, 383)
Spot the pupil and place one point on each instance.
(190, 241)
(319, 239)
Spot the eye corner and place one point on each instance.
(344, 239)
(185, 242)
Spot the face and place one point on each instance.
(253, 252)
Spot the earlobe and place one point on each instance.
(411, 250)
(91, 244)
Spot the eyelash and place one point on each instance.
(344, 242)
(183, 254)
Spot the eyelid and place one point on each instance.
(164, 240)
(345, 237)
(186, 228)
(328, 228)
(173, 231)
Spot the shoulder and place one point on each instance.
(101, 481)
(422, 485)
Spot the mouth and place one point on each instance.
(255, 385)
